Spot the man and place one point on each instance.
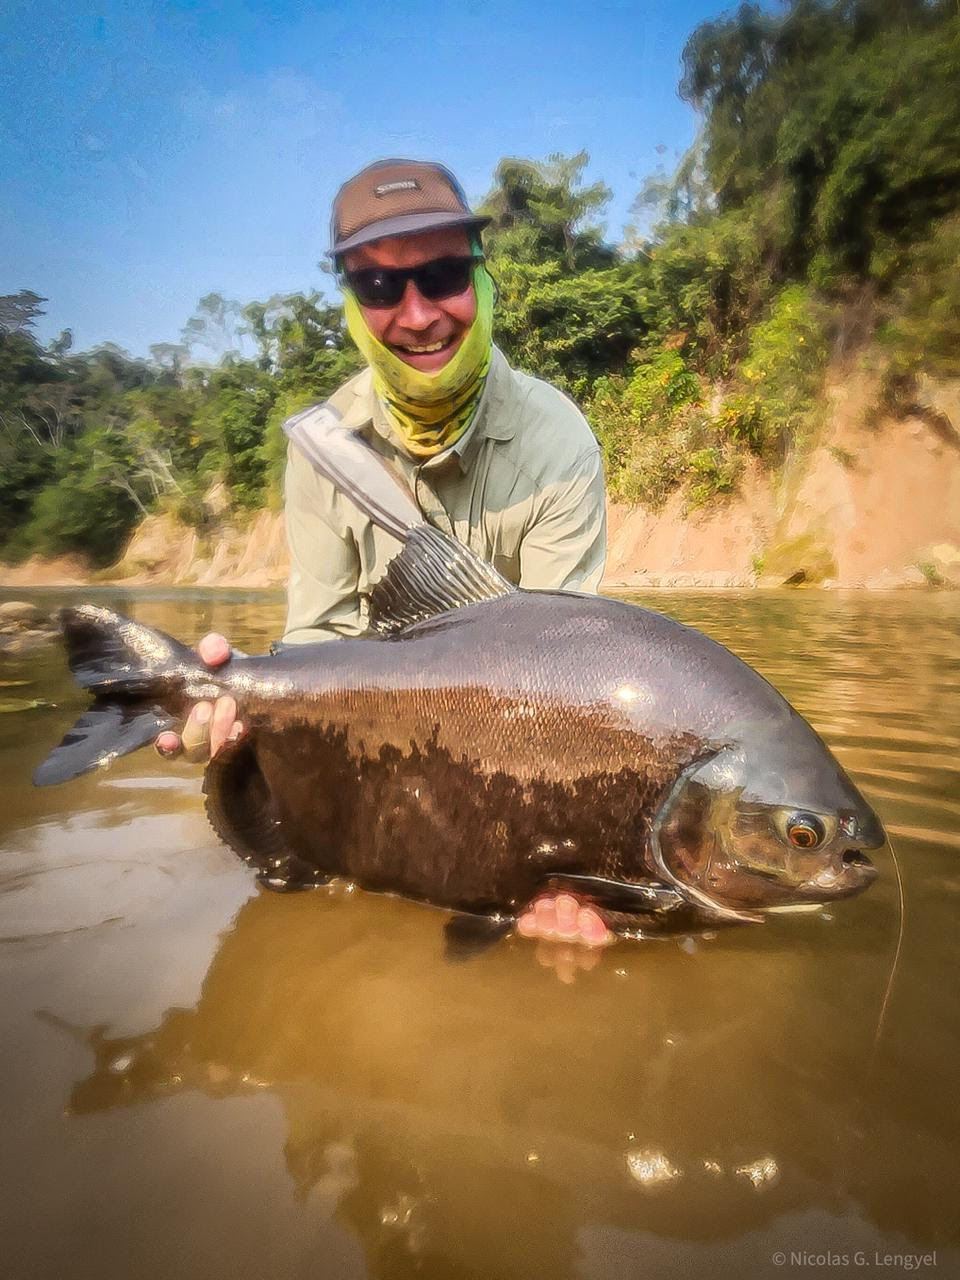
(498, 459)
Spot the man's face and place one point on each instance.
(415, 322)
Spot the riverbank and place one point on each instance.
(875, 505)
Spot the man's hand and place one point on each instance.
(209, 724)
(561, 918)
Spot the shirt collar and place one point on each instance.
(366, 413)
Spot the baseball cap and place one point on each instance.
(398, 198)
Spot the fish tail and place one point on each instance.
(137, 676)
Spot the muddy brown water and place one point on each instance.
(199, 1079)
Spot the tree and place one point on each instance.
(540, 212)
(843, 116)
(570, 329)
(18, 311)
(170, 358)
(216, 326)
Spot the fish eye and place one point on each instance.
(805, 831)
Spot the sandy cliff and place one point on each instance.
(875, 504)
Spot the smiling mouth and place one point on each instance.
(427, 349)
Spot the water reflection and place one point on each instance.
(662, 1107)
(688, 1092)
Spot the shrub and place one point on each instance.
(715, 471)
(925, 323)
(782, 374)
(649, 427)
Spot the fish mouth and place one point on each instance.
(858, 859)
(854, 873)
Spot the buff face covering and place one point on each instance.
(430, 411)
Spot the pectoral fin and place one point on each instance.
(626, 896)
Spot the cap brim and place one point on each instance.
(408, 224)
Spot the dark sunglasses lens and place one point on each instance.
(444, 277)
(384, 286)
(377, 287)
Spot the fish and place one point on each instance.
(483, 744)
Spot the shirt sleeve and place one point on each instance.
(323, 600)
(565, 546)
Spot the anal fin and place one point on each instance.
(240, 807)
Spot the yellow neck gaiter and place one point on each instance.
(430, 411)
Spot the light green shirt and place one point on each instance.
(523, 487)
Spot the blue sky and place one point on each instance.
(153, 152)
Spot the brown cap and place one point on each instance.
(397, 198)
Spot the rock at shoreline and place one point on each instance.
(24, 626)
(20, 615)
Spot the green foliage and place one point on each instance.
(784, 369)
(931, 574)
(707, 282)
(24, 470)
(650, 428)
(37, 415)
(89, 443)
(657, 433)
(714, 473)
(568, 329)
(845, 115)
(540, 213)
(301, 339)
(273, 450)
(568, 311)
(663, 385)
(741, 420)
(924, 328)
(90, 504)
(233, 420)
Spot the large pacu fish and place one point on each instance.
(486, 743)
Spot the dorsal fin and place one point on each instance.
(432, 575)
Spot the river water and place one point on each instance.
(200, 1079)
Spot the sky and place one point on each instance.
(153, 152)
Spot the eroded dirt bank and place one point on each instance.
(876, 504)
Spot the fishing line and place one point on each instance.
(860, 1127)
(896, 960)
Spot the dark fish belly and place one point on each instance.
(460, 805)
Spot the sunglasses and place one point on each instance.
(385, 286)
